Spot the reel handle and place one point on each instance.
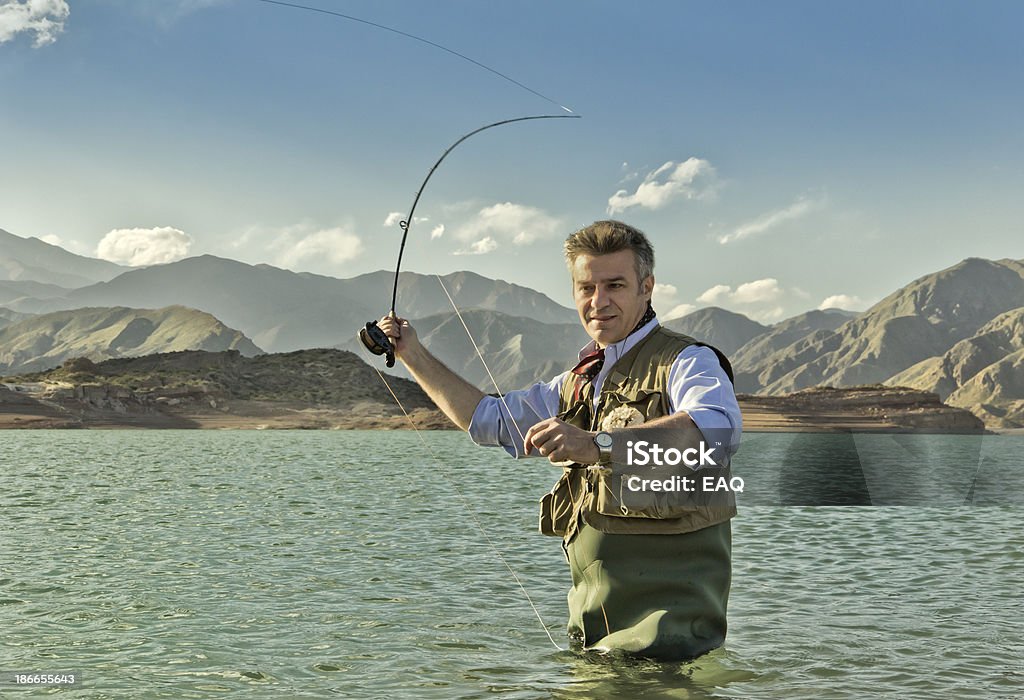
(377, 342)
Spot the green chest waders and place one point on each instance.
(652, 588)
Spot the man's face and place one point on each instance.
(609, 297)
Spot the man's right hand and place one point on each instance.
(403, 336)
(452, 394)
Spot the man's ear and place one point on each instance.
(647, 287)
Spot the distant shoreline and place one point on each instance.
(860, 409)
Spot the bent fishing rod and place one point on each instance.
(375, 340)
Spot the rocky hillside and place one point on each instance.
(758, 354)
(307, 389)
(921, 320)
(983, 373)
(726, 330)
(7, 317)
(45, 341)
(953, 332)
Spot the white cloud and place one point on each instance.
(757, 292)
(678, 311)
(305, 247)
(694, 178)
(44, 18)
(144, 246)
(516, 223)
(481, 247)
(666, 296)
(749, 294)
(437, 232)
(772, 219)
(767, 316)
(847, 302)
(715, 295)
(302, 247)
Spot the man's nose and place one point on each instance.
(599, 298)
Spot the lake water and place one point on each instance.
(350, 564)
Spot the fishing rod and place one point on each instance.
(375, 340)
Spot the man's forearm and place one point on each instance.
(456, 397)
(559, 441)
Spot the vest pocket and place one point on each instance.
(658, 492)
(621, 409)
(558, 506)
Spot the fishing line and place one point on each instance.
(428, 42)
(467, 505)
(378, 343)
(479, 354)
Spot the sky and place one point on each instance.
(780, 156)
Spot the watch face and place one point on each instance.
(603, 440)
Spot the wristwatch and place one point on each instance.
(603, 441)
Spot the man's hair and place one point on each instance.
(604, 237)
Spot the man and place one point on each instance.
(650, 568)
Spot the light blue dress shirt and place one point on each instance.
(697, 385)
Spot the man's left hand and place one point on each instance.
(561, 442)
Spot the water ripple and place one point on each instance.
(302, 564)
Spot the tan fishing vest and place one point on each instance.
(638, 380)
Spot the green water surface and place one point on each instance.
(298, 564)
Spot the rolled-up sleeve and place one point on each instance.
(699, 386)
(498, 423)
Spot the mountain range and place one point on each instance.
(30, 259)
(957, 332)
(40, 342)
(282, 310)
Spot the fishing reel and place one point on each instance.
(377, 342)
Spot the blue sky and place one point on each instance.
(777, 154)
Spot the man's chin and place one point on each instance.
(604, 336)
